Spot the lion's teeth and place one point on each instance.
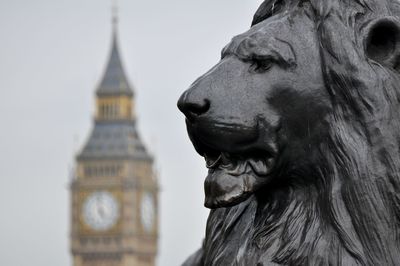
(239, 169)
(211, 162)
(259, 166)
(225, 159)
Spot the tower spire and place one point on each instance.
(114, 81)
(114, 14)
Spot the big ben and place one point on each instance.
(114, 194)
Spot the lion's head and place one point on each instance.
(303, 112)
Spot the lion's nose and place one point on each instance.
(191, 107)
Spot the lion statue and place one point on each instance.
(299, 125)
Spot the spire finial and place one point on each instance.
(114, 14)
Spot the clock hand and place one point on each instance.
(100, 210)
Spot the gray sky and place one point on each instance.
(52, 54)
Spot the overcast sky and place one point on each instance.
(52, 55)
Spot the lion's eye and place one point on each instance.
(260, 65)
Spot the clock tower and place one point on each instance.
(114, 194)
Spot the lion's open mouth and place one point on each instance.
(233, 178)
(239, 161)
(235, 165)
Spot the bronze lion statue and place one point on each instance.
(299, 124)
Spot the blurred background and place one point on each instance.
(52, 56)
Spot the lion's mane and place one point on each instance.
(343, 208)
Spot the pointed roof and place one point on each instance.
(114, 81)
(114, 140)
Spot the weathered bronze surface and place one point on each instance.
(299, 124)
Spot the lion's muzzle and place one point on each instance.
(240, 153)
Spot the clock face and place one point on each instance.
(100, 211)
(147, 211)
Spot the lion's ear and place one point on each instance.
(382, 41)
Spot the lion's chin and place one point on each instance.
(228, 185)
(224, 190)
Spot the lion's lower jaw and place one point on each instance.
(224, 189)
